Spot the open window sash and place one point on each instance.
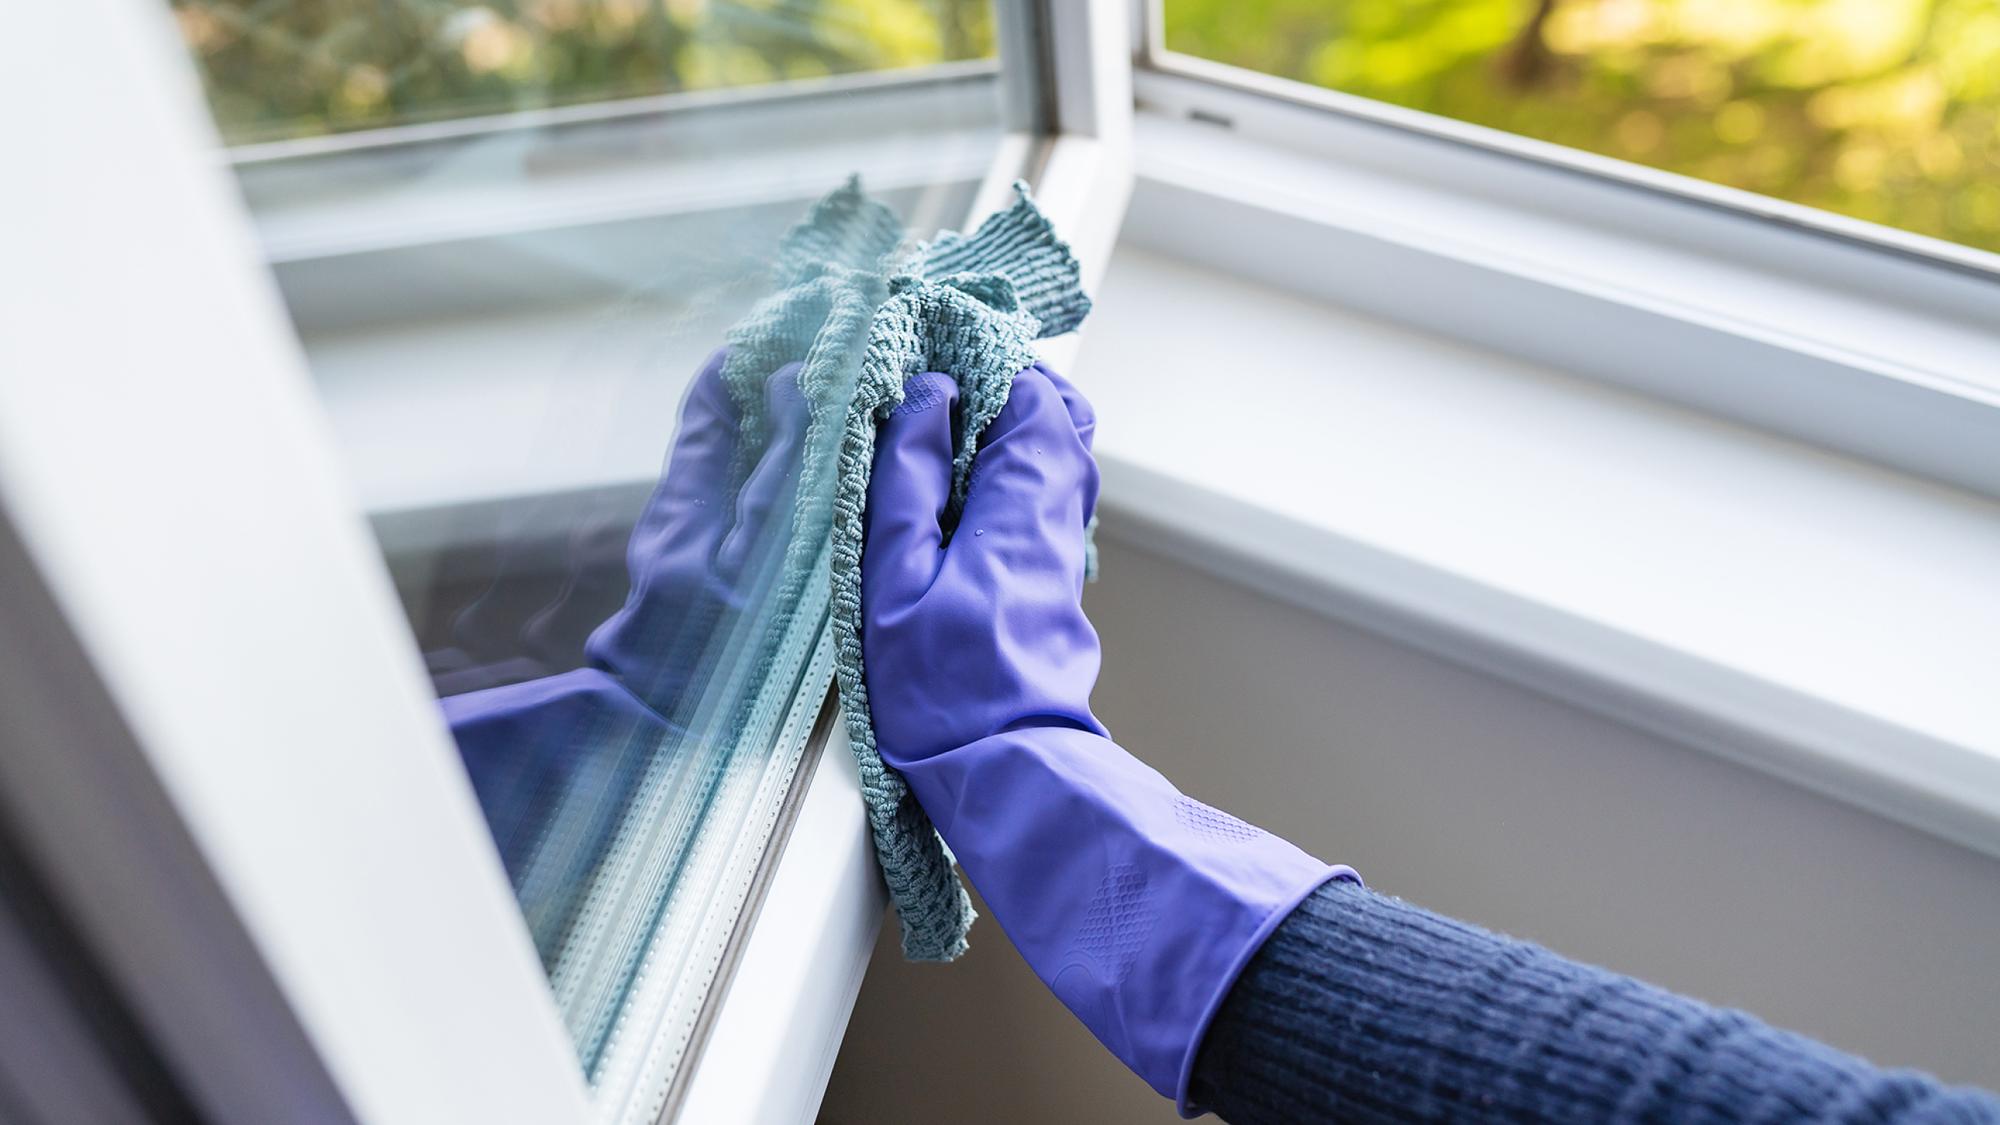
(221, 752)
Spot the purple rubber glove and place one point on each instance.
(702, 550)
(1136, 905)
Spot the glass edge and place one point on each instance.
(589, 113)
(816, 681)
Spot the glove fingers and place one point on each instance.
(698, 462)
(767, 496)
(1034, 483)
(1084, 416)
(907, 492)
(996, 639)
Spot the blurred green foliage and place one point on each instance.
(289, 68)
(1887, 110)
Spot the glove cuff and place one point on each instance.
(1183, 1089)
(1137, 905)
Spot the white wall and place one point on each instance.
(1478, 798)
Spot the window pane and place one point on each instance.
(1886, 110)
(570, 362)
(304, 67)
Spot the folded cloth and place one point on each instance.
(969, 306)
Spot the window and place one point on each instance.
(509, 238)
(240, 768)
(1885, 111)
(300, 69)
(518, 241)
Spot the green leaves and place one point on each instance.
(1887, 110)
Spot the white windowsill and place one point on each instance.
(1813, 615)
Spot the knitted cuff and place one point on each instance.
(1366, 1008)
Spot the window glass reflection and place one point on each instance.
(583, 372)
(302, 67)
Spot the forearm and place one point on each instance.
(1365, 1008)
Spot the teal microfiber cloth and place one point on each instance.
(862, 315)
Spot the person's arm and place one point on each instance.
(1168, 927)
(1363, 1007)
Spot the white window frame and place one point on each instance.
(1857, 337)
(1154, 55)
(241, 784)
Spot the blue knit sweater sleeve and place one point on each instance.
(1364, 1008)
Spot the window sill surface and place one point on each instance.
(1847, 347)
(1814, 615)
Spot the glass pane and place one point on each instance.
(1886, 110)
(566, 359)
(296, 68)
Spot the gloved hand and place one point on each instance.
(690, 558)
(703, 550)
(1136, 905)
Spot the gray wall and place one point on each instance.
(1478, 798)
